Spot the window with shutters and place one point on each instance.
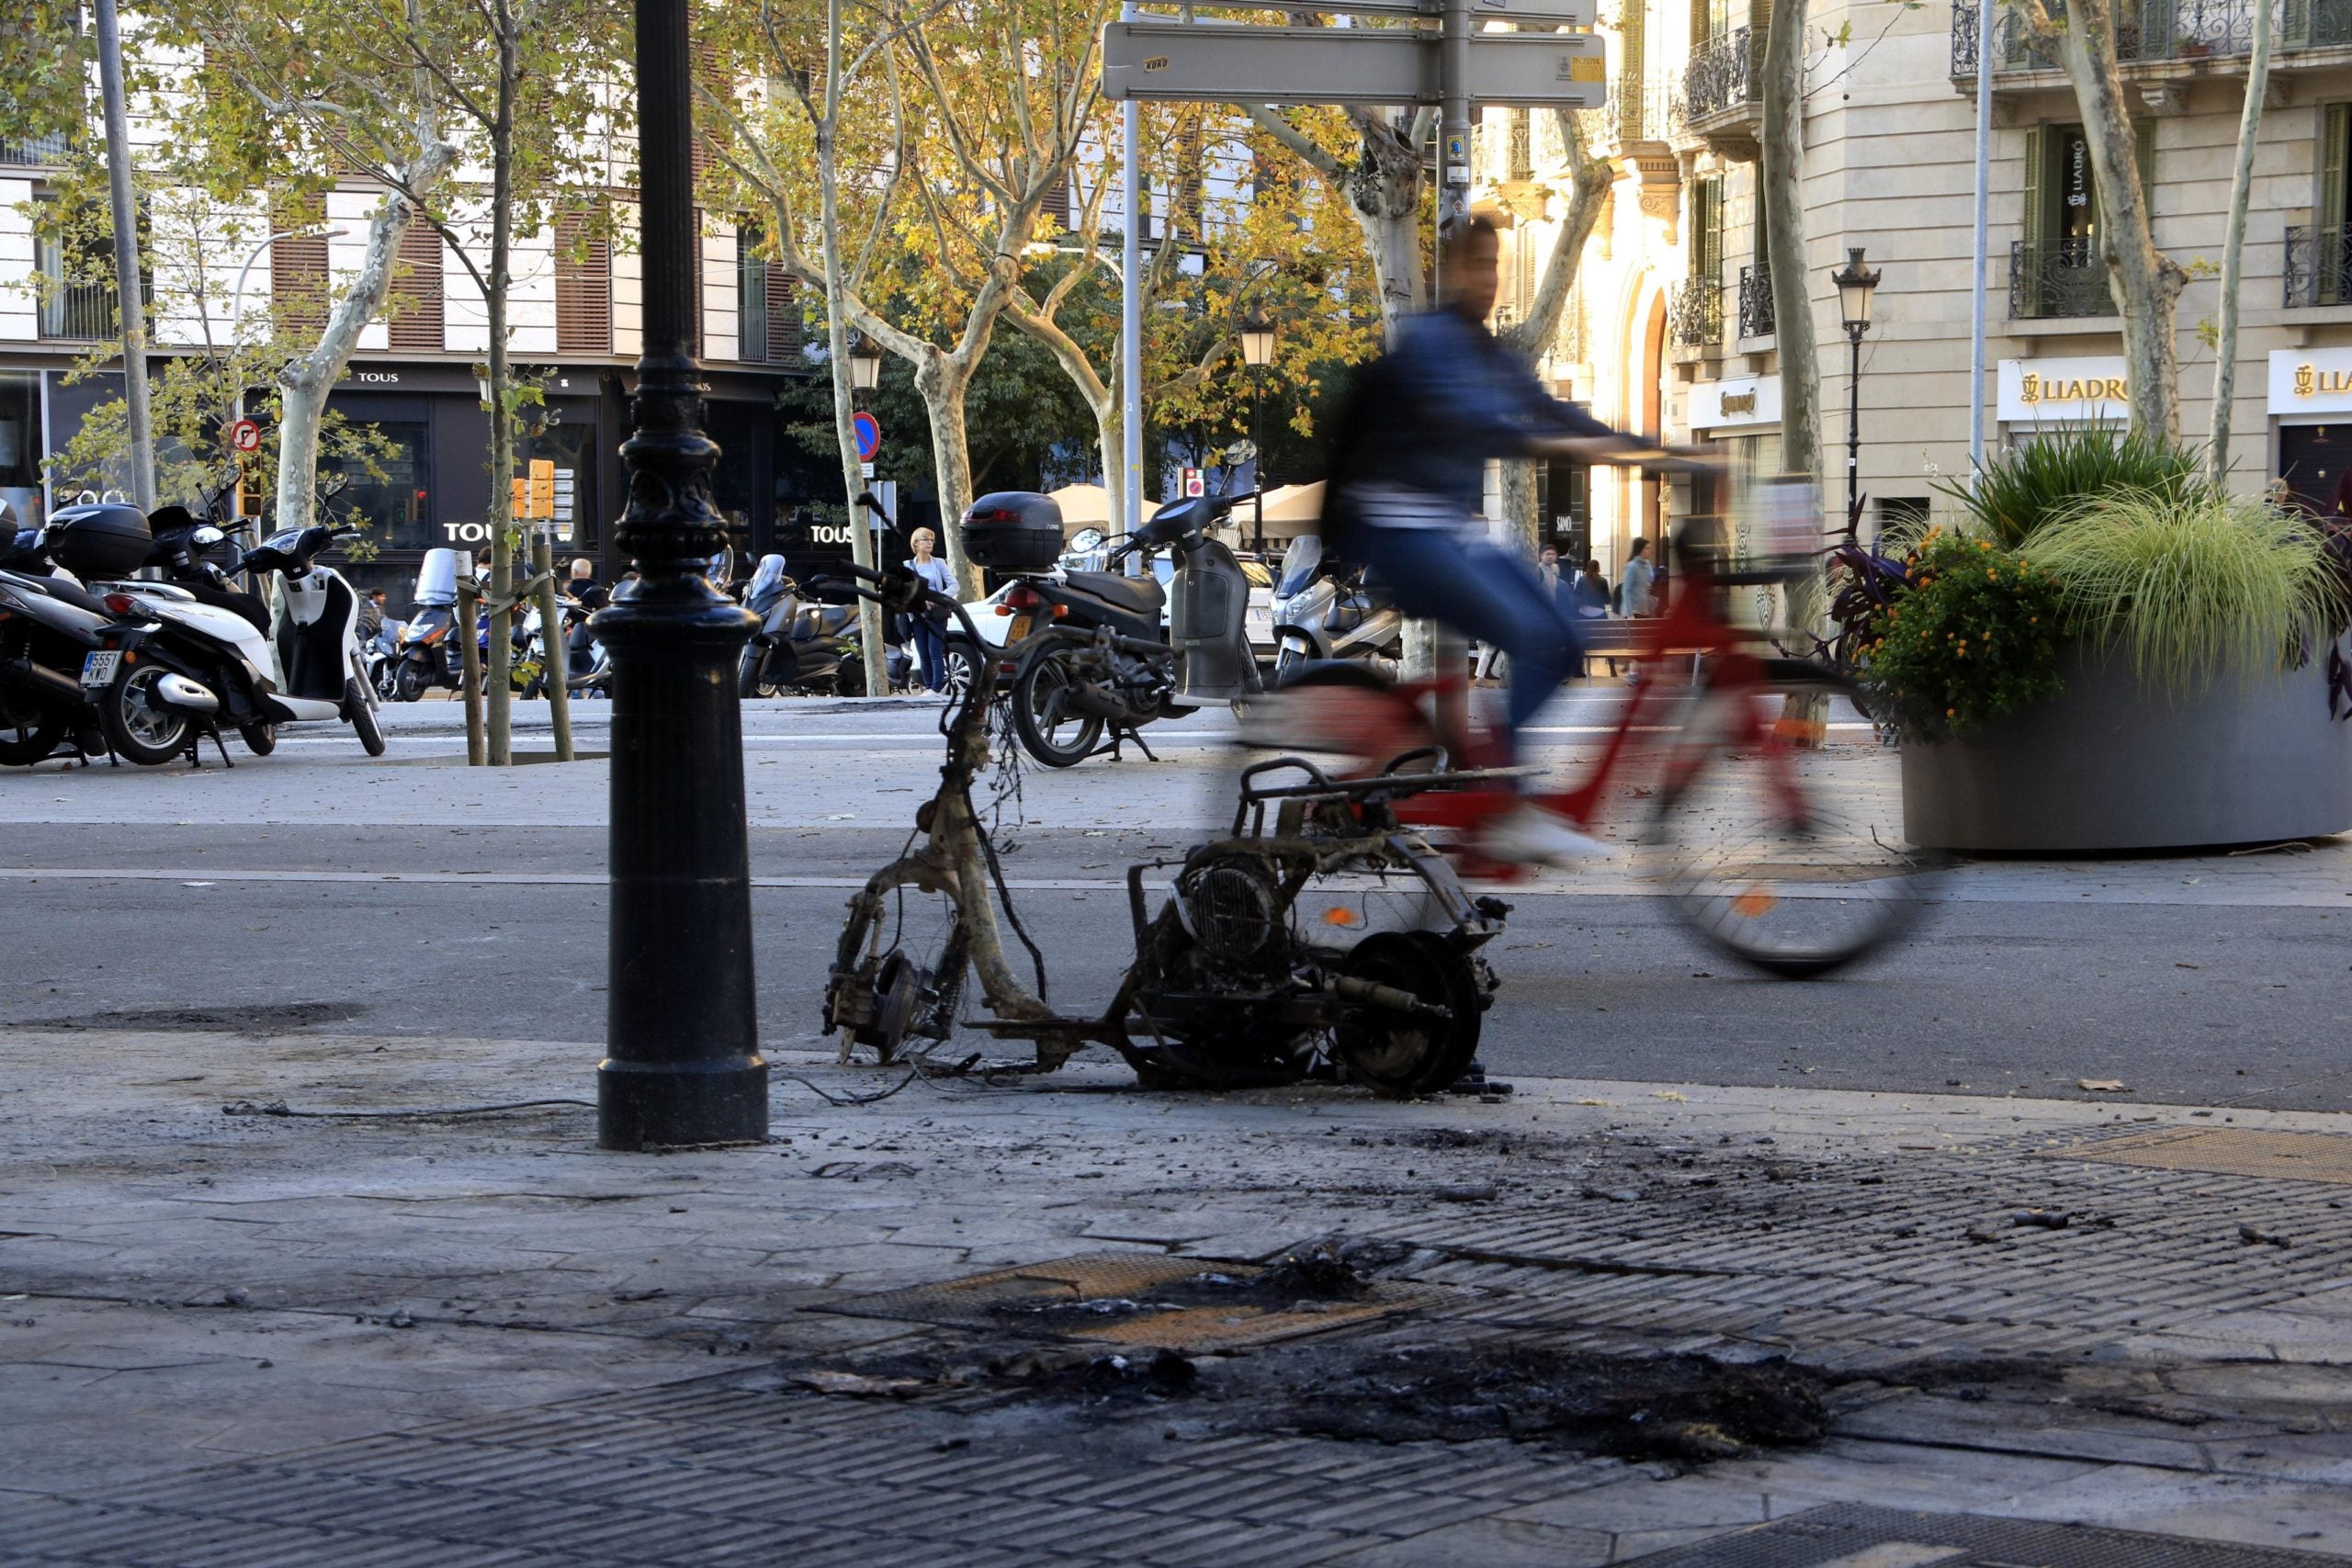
(583, 282)
(770, 328)
(2055, 269)
(1707, 229)
(2319, 260)
(76, 263)
(297, 264)
(416, 319)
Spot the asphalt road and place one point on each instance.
(194, 920)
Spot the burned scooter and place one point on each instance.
(1249, 972)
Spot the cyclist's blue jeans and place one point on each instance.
(1483, 592)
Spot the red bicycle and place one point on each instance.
(1771, 846)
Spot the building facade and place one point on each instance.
(1671, 328)
(575, 314)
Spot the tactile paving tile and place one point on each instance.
(2226, 1151)
(1851, 1536)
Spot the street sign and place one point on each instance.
(1214, 63)
(1195, 482)
(869, 435)
(1532, 13)
(866, 469)
(245, 436)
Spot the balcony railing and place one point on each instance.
(2318, 266)
(36, 150)
(78, 311)
(2054, 278)
(1695, 313)
(1721, 75)
(2156, 30)
(1755, 301)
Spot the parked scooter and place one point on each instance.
(805, 645)
(212, 655)
(430, 655)
(1098, 659)
(50, 625)
(1324, 609)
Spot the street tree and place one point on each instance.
(290, 92)
(1244, 234)
(2225, 336)
(927, 141)
(1371, 156)
(2145, 282)
(528, 85)
(1582, 196)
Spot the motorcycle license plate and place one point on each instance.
(97, 669)
(1020, 629)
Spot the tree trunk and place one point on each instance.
(1782, 179)
(943, 382)
(2145, 282)
(2225, 343)
(303, 383)
(499, 686)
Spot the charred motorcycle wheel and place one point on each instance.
(1045, 713)
(260, 737)
(1403, 1050)
(136, 726)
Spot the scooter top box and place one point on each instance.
(103, 540)
(1014, 530)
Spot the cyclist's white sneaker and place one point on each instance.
(1529, 834)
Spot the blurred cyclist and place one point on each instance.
(1409, 477)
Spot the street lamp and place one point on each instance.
(683, 1062)
(864, 363)
(1856, 284)
(1258, 352)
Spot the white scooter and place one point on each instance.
(205, 660)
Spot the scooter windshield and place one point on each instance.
(1305, 554)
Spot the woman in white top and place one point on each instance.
(931, 641)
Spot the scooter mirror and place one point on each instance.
(1086, 540)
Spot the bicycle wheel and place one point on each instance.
(1787, 856)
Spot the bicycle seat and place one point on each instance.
(1138, 594)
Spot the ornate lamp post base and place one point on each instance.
(681, 1026)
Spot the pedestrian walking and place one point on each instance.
(930, 624)
(1633, 597)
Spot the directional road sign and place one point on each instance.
(246, 435)
(1206, 61)
(1534, 13)
(869, 435)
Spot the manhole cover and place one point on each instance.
(1851, 1536)
(2226, 1151)
(1144, 1298)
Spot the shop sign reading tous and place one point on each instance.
(2063, 392)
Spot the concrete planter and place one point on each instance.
(2108, 766)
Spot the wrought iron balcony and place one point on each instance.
(1694, 313)
(1721, 76)
(2153, 31)
(2054, 278)
(2318, 266)
(1755, 301)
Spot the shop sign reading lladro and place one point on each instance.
(2310, 380)
(2058, 391)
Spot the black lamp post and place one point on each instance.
(1258, 352)
(681, 1026)
(1856, 284)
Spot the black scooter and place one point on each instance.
(1100, 659)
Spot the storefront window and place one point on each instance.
(395, 511)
